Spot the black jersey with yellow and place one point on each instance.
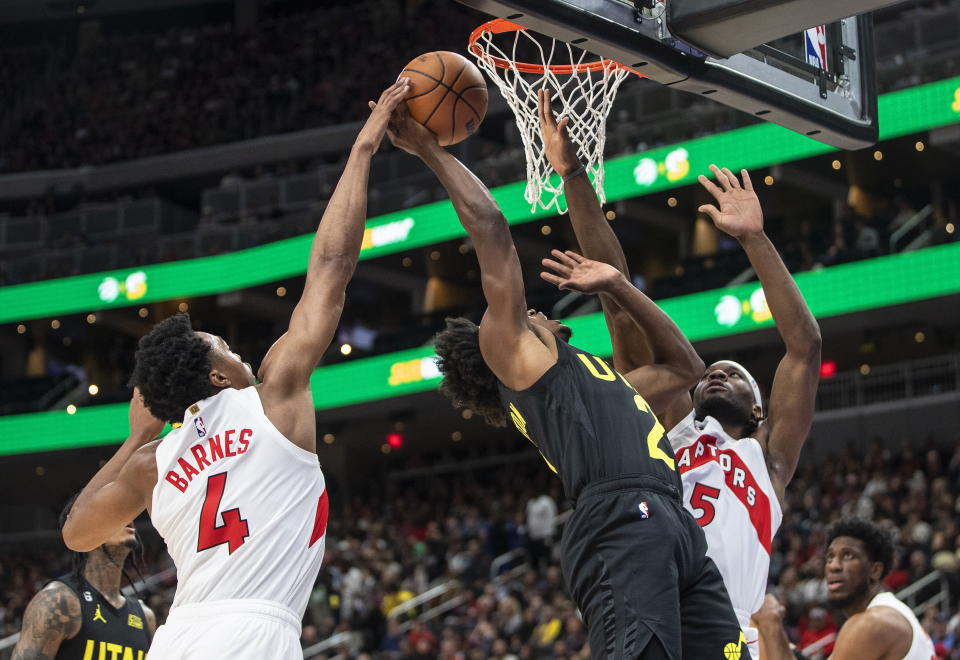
(633, 559)
(589, 423)
(106, 631)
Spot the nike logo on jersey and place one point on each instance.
(205, 454)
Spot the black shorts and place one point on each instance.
(635, 563)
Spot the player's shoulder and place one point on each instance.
(879, 625)
(58, 605)
(144, 459)
(150, 616)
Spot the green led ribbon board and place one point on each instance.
(907, 111)
(844, 289)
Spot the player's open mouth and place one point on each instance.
(834, 585)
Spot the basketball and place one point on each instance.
(448, 95)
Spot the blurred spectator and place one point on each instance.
(541, 523)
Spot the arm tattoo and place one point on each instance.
(52, 616)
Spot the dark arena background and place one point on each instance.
(178, 155)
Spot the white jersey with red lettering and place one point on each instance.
(243, 512)
(922, 647)
(727, 488)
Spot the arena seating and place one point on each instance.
(384, 549)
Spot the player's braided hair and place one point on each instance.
(171, 368)
(467, 380)
(876, 541)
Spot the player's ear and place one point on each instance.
(876, 571)
(219, 379)
(757, 414)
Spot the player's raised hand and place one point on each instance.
(407, 133)
(771, 612)
(573, 272)
(739, 214)
(557, 145)
(371, 135)
(143, 425)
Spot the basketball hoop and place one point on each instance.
(584, 87)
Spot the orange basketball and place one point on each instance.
(448, 95)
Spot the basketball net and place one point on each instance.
(584, 90)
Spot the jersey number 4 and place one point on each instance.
(233, 531)
(700, 502)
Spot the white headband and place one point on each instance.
(750, 379)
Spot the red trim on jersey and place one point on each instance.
(759, 512)
(320, 519)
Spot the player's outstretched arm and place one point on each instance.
(52, 616)
(679, 368)
(120, 490)
(632, 348)
(795, 384)
(508, 344)
(286, 368)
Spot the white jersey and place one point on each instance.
(728, 490)
(921, 648)
(242, 509)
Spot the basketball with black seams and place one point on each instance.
(448, 95)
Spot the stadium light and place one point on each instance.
(828, 369)
(395, 440)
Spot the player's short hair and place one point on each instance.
(467, 380)
(877, 542)
(172, 367)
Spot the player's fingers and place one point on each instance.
(562, 126)
(734, 181)
(398, 90)
(548, 110)
(710, 210)
(560, 268)
(747, 183)
(542, 108)
(721, 177)
(398, 84)
(564, 258)
(373, 106)
(579, 258)
(710, 186)
(552, 279)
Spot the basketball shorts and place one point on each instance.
(635, 563)
(228, 629)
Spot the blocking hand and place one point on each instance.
(573, 272)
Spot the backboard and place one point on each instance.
(819, 82)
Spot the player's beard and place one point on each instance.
(723, 409)
(858, 594)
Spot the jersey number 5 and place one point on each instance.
(700, 503)
(233, 531)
